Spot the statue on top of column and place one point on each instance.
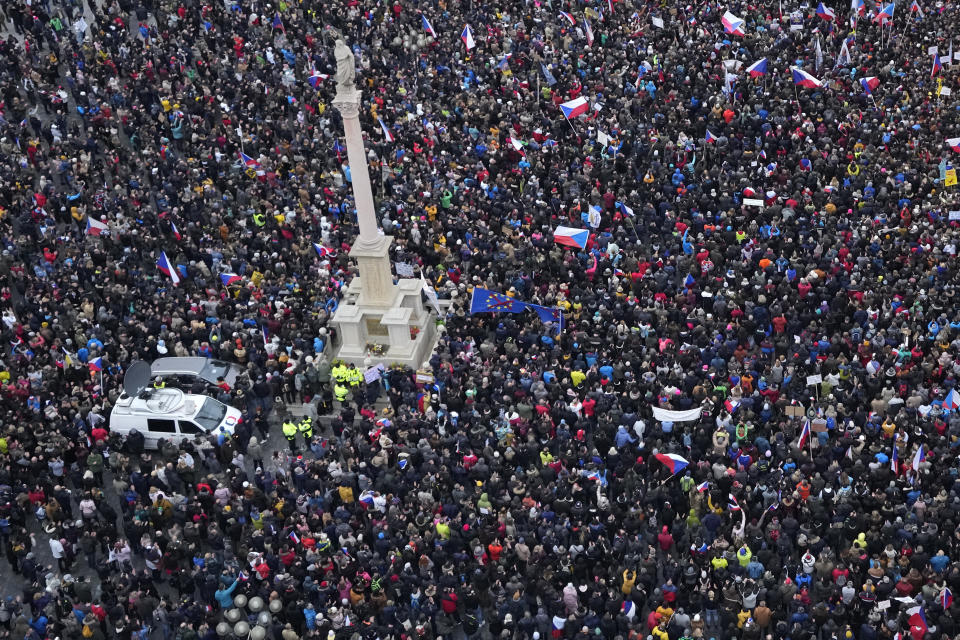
(346, 65)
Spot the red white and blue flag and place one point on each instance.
(825, 12)
(96, 364)
(937, 65)
(176, 232)
(804, 79)
(732, 24)
(885, 14)
(709, 137)
(952, 401)
(386, 132)
(915, 7)
(315, 78)
(229, 278)
(427, 26)
(95, 227)
(918, 621)
(804, 435)
(858, 7)
(467, 36)
(167, 268)
(869, 84)
(293, 536)
(672, 461)
(703, 486)
(569, 18)
(918, 457)
(574, 108)
(277, 22)
(589, 31)
(248, 161)
(571, 237)
(732, 503)
(758, 68)
(323, 251)
(946, 598)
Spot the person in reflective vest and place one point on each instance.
(306, 429)
(341, 392)
(290, 433)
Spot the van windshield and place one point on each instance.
(211, 414)
(214, 369)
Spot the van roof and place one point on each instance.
(171, 403)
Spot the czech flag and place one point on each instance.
(96, 364)
(427, 26)
(731, 405)
(574, 108)
(825, 12)
(869, 84)
(885, 14)
(386, 132)
(367, 498)
(732, 503)
(919, 457)
(315, 78)
(176, 232)
(918, 621)
(293, 536)
(629, 609)
(937, 66)
(858, 6)
(804, 79)
(915, 7)
(467, 36)
(589, 32)
(672, 461)
(954, 144)
(229, 278)
(709, 137)
(569, 17)
(570, 237)
(278, 23)
(248, 161)
(95, 227)
(324, 252)
(703, 486)
(758, 68)
(952, 401)
(167, 268)
(804, 435)
(946, 598)
(732, 24)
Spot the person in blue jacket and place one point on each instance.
(224, 596)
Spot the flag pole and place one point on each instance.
(669, 478)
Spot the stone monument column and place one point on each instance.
(371, 249)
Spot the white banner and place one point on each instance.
(664, 415)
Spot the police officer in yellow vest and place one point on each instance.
(354, 377)
(290, 433)
(339, 372)
(259, 219)
(341, 392)
(306, 429)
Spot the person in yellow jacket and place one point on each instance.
(354, 377)
(546, 457)
(290, 433)
(306, 429)
(660, 631)
(340, 392)
(719, 563)
(744, 555)
(629, 579)
(577, 377)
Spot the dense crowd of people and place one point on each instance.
(771, 266)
